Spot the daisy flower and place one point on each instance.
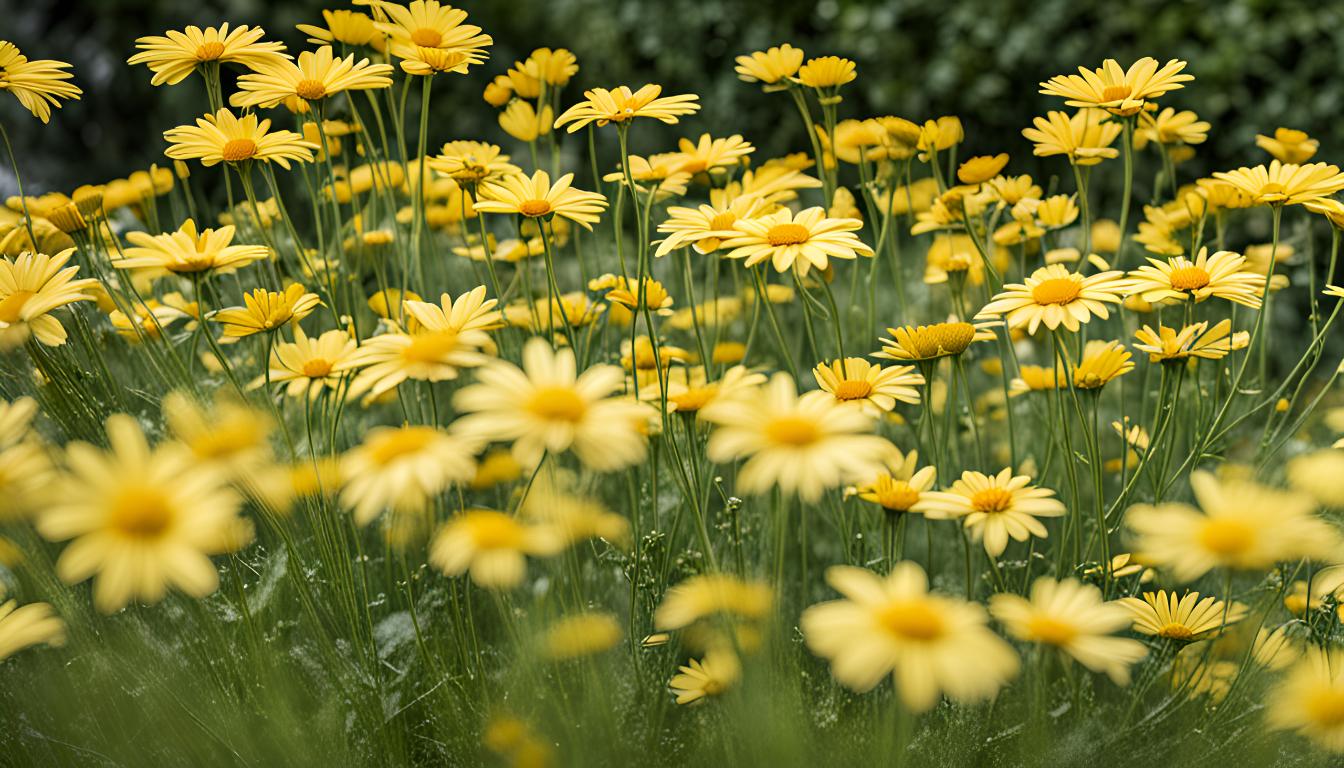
(871, 387)
(490, 546)
(38, 85)
(994, 508)
(1170, 127)
(806, 240)
(173, 56)
(1223, 275)
(602, 106)
(1103, 361)
(1288, 145)
(826, 72)
(536, 197)
(308, 366)
(33, 285)
(919, 343)
(26, 471)
(429, 24)
(317, 75)
(1198, 340)
(709, 595)
(1310, 698)
(472, 162)
(264, 311)
(224, 138)
(1116, 90)
(711, 155)
(931, 645)
(772, 68)
(547, 406)
(1185, 618)
(141, 520)
(705, 227)
(718, 671)
(402, 468)
(28, 625)
(189, 251)
(229, 433)
(346, 27)
(1285, 183)
(1054, 296)
(1083, 138)
(900, 486)
(432, 353)
(1072, 617)
(802, 444)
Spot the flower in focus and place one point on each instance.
(38, 85)
(1084, 138)
(771, 68)
(265, 311)
(919, 343)
(317, 75)
(1102, 362)
(900, 486)
(536, 197)
(1197, 340)
(31, 286)
(602, 106)
(978, 170)
(871, 387)
(1118, 91)
(931, 645)
(472, 162)
(1285, 183)
(1224, 275)
(808, 239)
(309, 366)
(1185, 618)
(713, 674)
(427, 27)
(491, 546)
(224, 138)
(402, 468)
(1170, 127)
(994, 508)
(173, 56)
(189, 251)
(1054, 296)
(826, 72)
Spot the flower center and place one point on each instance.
(430, 347)
(1056, 290)
(209, 51)
(1226, 537)
(12, 305)
(1325, 707)
(557, 404)
(787, 234)
(238, 150)
(406, 441)
(316, 368)
(992, 500)
(495, 530)
(312, 90)
(853, 389)
(1116, 92)
(534, 208)
(896, 496)
(911, 620)
(1189, 278)
(1175, 631)
(792, 430)
(1047, 629)
(425, 37)
(141, 512)
(723, 220)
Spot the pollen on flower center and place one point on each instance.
(896, 496)
(316, 368)
(12, 305)
(534, 208)
(557, 404)
(912, 620)
(495, 530)
(141, 512)
(1189, 278)
(787, 234)
(389, 447)
(312, 90)
(1226, 537)
(1051, 630)
(1175, 631)
(425, 37)
(430, 347)
(792, 430)
(1056, 290)
(1116, 92)
(992, 500)
(238, 150)
(853, 389)
(209, 51)
(1325, 707)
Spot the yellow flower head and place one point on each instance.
(994, 507)
(265, 311)
(317, 75)
(1103, 361)
(978, 170)
(536, 197)
(1056, 297)
(718, 671)
(173, 56)
(826, 72)
(491, 546)
(346, 27)
(402, 469)
(1182, 618)
(1288, 145)
(38, 85)
(771, 68)
(802, 241)
(917, 343)
(224, 138)
(1285, 183)
(1223, 275)
(522, 121)
(427, 31)
(31, 287)
(1116, 90)
(1085, 138)
(472, 162)
(620, 105)
(188, 251)
(870, 387)
(1166, 344)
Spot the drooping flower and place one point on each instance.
(1103, 361)
(39, 85)
(1288, 145)
(826, 72)
(711, 675)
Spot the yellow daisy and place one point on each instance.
(435, 353)
(1072, 617)
(1197, 340)
(1288, 145)
(826, 72)
(175, 55)
(33, 285)
(1185, 618)
(141, 519)
(978, 170)
(491, 546)
(919, 343)
(1054, 296)
(870, 387)
(602, 106)
(1285, 183)
(1170, 127)
(1310, 698)
(346, 27)
(24, 626)
(428, 24)
(901, 485)
(802, 241)
(711, 675)
(402, 468)
(711, 155)
(228, 433)
(523, 122)
(772, 68)
(580, 634)
(705, 227)
(472, 162)
(1118, 91)
(1085, 138)
(189, 251)
(994, 508)
(1224, 275)
(224, 138)
(317, 75)
(536, 197)
(309, 366)
(265, 311)
(1036, 378)
(931, 645)
(711, 595)
(1103, 361)
(38, 85)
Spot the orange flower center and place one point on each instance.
(406, 441)
(238, 150)
(896, 496)
(1325, 707)
(1056, 290)
(1226, 537)
(992, 500)
(557, 404)
(1175, 631)
(1047, 629)
(312, 90)
(853, 389)
(140, 512)
(316, 368)
(916, 620)
(534, 208)
(430, 347)
(12, 305)
(425, 37)
(209, 51)
(1116, 92)
(1189, 278)
(787, 234)
(792, 430)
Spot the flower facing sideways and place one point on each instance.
(491, 546)
(402, 468)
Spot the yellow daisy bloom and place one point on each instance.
(602, 106)
(433, 353)
(1198, 340)
(1224, 275)
(802, 241)
(141, 519)
(704, 228)
(1170, 127)
(901, 485)
(189, 251)
(536, 197)
(265, 310)
(1072, 617)
(229, 433)
(547, 406)
(718, 671)
(1243, 525)
(317, 75)
(711, 155)
(402, 468)
(522, 121)
(428, 24)
(931, 645)
(1185, 618)
(1288, 145)
(28, 625)
(175, 55)
(994, 507)
(33, 285)
(1285, 183)
(826, 72)
(772, 68)
(1083, 138)
(224, 138)
(490, 546)
(1054, 296)
(347, 27)
(1309, 699)
(1118, 91)
(1103, 361)
(804, 444)
(711, 595)
(38, 85)
(309, 366)
(978, 170)
(870, 387)
(1036, 378)
(26, 471)
(918, 343)
(472, 162)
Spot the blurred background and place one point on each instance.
(1259, 64)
